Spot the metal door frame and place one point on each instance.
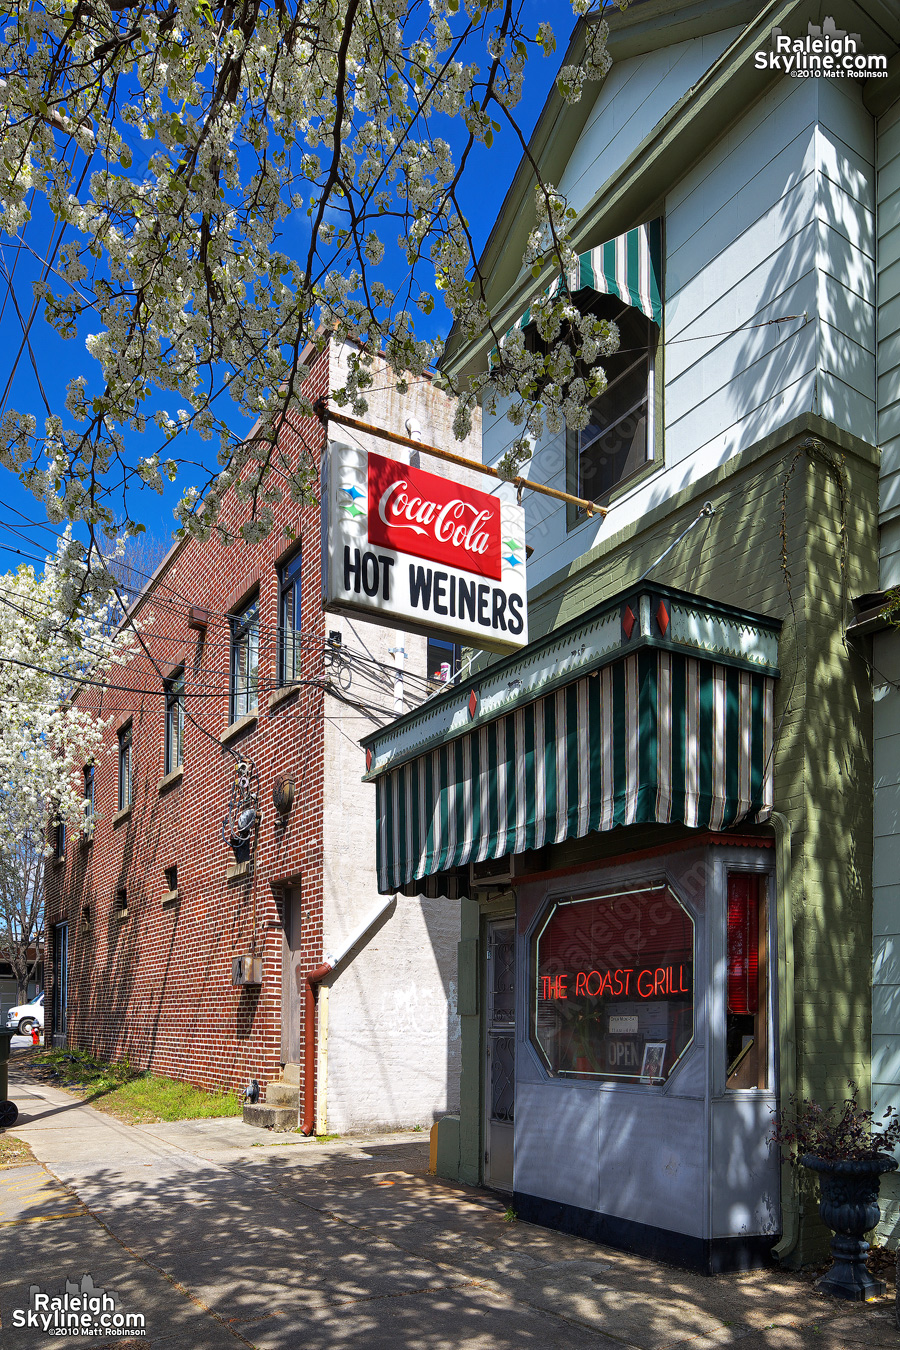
(504, 1029)
(60, 1011)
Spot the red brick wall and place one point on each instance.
(156, 985)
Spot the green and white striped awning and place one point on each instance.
(629, 267)
(659, 733)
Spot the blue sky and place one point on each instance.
(59, 360)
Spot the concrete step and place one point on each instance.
(283, 1094)
(270, 1117)
(291, 1073)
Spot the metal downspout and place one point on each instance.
(787, 1041)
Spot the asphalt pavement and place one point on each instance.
(217, 1235)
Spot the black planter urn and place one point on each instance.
(848, 1203)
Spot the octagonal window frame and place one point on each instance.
(605, 1078)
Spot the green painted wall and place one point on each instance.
(827, 483)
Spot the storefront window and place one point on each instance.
(746, 1021)
(613, 994)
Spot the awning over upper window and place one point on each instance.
(656, 707)
(629, 266)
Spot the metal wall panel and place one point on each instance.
(671, 1157)
(557, 1129)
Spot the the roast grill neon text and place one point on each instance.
(646, 983)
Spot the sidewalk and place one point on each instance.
(222, 1235)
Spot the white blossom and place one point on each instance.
(53, 632)
(226, 180)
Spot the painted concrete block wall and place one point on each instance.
(390, 1053)
(393, 1036)
(777, 219)
(886, 660)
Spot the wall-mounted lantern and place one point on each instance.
(283, 793)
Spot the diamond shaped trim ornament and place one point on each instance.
(662, 618)
(473, 704)
(368, 760)
(628, 621)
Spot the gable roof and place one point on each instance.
(681, 137)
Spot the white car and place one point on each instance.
(24, 1016)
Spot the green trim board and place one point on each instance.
(687, 623)
(658, 736)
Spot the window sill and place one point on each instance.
(170, 897)
(614, 495)
(241, 871)
(242, 724)
(121, 815)
(171, 779)
(87, 837)
(121, 914)
(59, 860)
(282, 695)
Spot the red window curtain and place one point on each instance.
(743, 943)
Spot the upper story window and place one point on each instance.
(245, 660)
(89, 794)
(174, 747)
(620, 439)
(443, 659)
(289, 577)
(125, 767)
(59, 839)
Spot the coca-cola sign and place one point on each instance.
(431, 517)
(422, 552)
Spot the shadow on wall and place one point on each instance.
(131, 992)
(436, 914)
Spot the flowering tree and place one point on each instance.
(230, 175)
(43, 738)
(22, 907)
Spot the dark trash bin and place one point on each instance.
(9, 1112)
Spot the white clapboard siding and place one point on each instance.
(635, 95)
(778, 218)
(886, 874)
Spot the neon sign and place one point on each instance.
(613, 993)
(658, 982)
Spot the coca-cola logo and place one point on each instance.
(431, 517)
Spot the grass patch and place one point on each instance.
(14, 1152)
(136, 1097)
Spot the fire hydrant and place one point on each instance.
(9, 1112)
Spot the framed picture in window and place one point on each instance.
(652, 1064)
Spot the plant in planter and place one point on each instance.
(849, 1150)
